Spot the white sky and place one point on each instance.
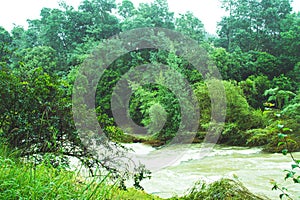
(18, 11)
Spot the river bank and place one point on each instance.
(234, 166)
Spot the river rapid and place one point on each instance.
(254, 168)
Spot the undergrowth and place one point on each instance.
(20, 180)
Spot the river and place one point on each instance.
(251, 166)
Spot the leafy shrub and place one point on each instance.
(253, 88)
(258, 137)
(291, 173)
(240, 117)
(232, 134)
(37, 119)
(292, 110)
(20, 180)
(36, 113)
(224, 189)
(277, 127)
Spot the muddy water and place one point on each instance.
(253, 168)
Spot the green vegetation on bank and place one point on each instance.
(24, 180)
(19, 180)
(225, 189)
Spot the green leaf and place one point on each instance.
(275, 187)
(280, 143)
(284, 188)
(282, 136)
(281, 196)
(287, 129)
(285, 152)
(296, 180)
(291, 141)
(295, 166)
(289, 175)
(280, 126)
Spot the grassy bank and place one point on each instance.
(19, 180)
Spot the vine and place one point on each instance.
(290, 173)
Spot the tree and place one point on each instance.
(136, 21)
(237, 65)
(266, 64)
(40, 56)
(126, 9)
(51, 31)
(36, 116)
(253, 88)
(5, 51)
(253, 24)
(37, 120)
(289, 45)
(22, 39)
(65, 29)
(191, 26)
(155, 14)
(239, 115)
(101, 23)
(236, 29)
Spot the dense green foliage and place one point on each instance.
(256, 51)
(19, 180)
(225, 189)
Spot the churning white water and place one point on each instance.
(253, 168)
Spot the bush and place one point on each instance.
(276, 128)
(253, 88)
(258, 137)
(240, 117)
(224, 189)
(20, 180)
(232, 134)
(36, 113)
(37, 119)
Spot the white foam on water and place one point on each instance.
(139, 148)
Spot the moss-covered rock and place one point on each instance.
(225, 189)
(132, 194)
